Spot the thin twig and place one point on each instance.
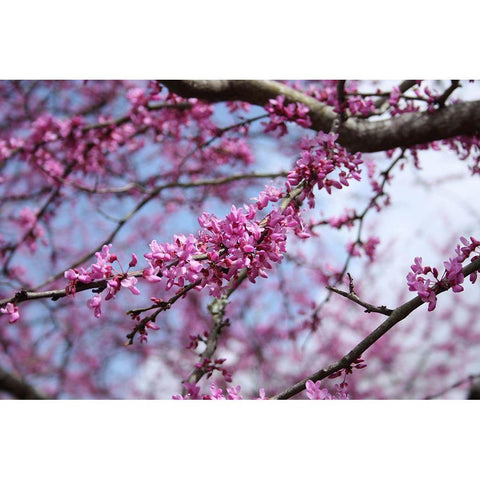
(403, 87)
(397, 315)
(217, 310)
(443, 98)
(470, 378)
(369, 308)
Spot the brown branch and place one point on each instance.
(342, 101)
(355, 134)
(397, 315)
(218, 306)
(23, 295)
(444, 96)
(18, 388)
(369, 308)
(403, 87)
(217, 310)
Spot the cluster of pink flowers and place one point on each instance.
(360, 106)
(193, 393)
(280, 113)
(12, 311)
(100, 270)
(209, 366)
(52, 143)
(320, 157)
(226, 150)
(397, 107)
(345, 219)
(315, 392)
(51, 139)
(354, 104)
(234, 106)
(451, 278)
(369, 247)
(239, 241)
(466, 146)
(27, 219)
(216, 393)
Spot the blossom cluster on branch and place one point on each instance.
(451, 278)
(91, 168)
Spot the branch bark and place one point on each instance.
(18, 388)
(355, 134)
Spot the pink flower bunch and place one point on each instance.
(193, 393)
(430, 96)
(209, 366)
(346, 219)
(453, 273)
(270, 194)
(52, 141)
(27, 219)
(320, 157)
(100, 270)
(239, 241)
(174, 262)
(424, 287)
(281, 113)
(360, 106)
(137, 97)
(326, 94)
(356, 104)
(315, 392)
(370, 247)
(12, 311)
(227, 150)
(452, 277)
(397, 107)
(234, 106)
(466, 147)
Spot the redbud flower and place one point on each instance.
(314, 392)
(130, 283)
(12, 311)
(95, 304)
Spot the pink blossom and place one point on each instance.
(234, 393)
(12, 311)
(130, 283)
(370, 247)
(314, 392)
(281, 113)
(261, 395)
(95, 304)
(216, 393)
(133, 261)
(453, 276)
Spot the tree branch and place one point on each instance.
(369, 308)
(18, 388)
(397, 315)
(355, 134)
